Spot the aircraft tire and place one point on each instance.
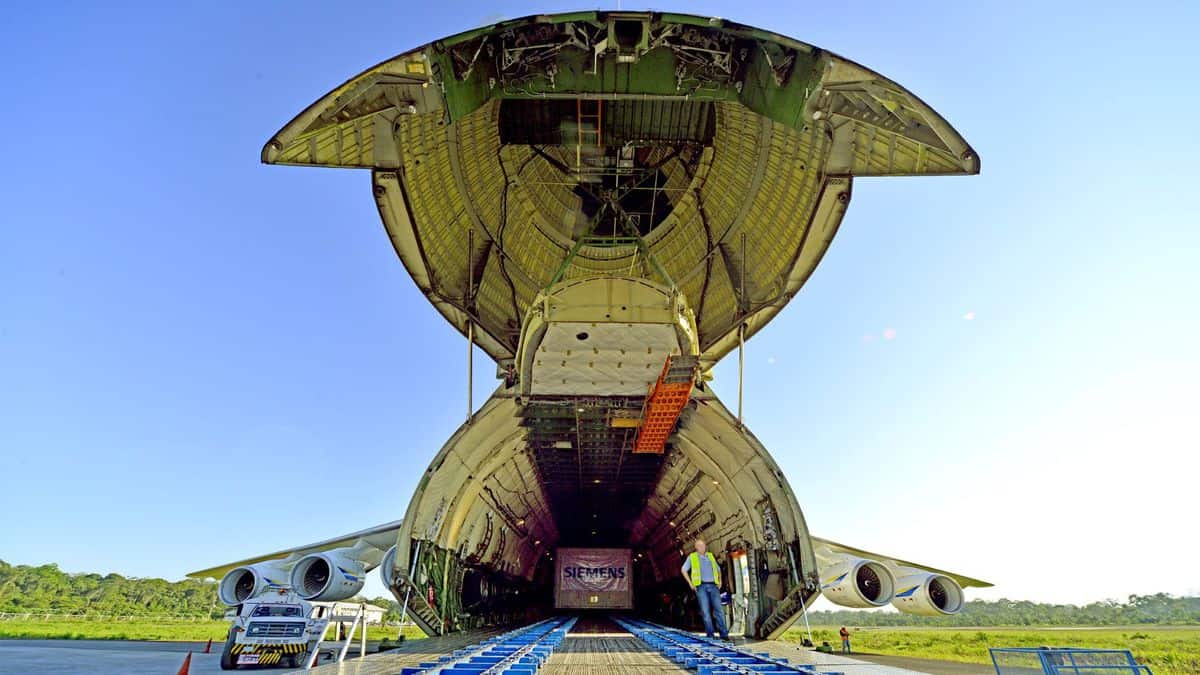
(227, 661)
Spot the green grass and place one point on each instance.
(61, 628)
(1168, 650)
(148, 629)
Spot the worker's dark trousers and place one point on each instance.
(710, 606)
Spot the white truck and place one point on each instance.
(274, 628)
(273, 598)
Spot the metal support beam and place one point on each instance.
(470, 325)
(742, 330)
(408, 590)
(630, 230)
(741, 367)
(745, 303)
(470, 369)
(566, 263)
(804, 611)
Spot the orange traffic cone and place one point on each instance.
(208, 647)
(187, 665)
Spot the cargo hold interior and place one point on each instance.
(526, 478)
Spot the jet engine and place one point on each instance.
(328, 576)
(928, 594)
(857, 582)
(387, 568)
(245, 582)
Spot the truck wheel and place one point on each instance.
(227, 660)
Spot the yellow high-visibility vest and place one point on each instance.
(694, 568)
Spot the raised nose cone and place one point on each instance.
(697, 153)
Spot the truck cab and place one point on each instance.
(274, 628)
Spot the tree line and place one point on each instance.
(46, 588)
(1159, 608)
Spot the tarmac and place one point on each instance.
(599, 652)
(583, 653)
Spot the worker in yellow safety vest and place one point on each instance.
(703, 575)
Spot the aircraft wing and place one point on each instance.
(825, 548)
(381, 537)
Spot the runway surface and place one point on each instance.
(595, 646)
(85, 657)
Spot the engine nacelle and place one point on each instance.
(857, 582)
(928, 594)
(242, 583)
(328, 576)
(387, 568)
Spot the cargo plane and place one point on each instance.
(608, 204)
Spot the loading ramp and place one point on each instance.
(597, 645)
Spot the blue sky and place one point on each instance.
(185, 333)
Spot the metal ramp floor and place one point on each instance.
(592, 655)
(594, 646)
(597, 646)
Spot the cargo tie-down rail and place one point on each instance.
(518, 652)
(707, 656)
